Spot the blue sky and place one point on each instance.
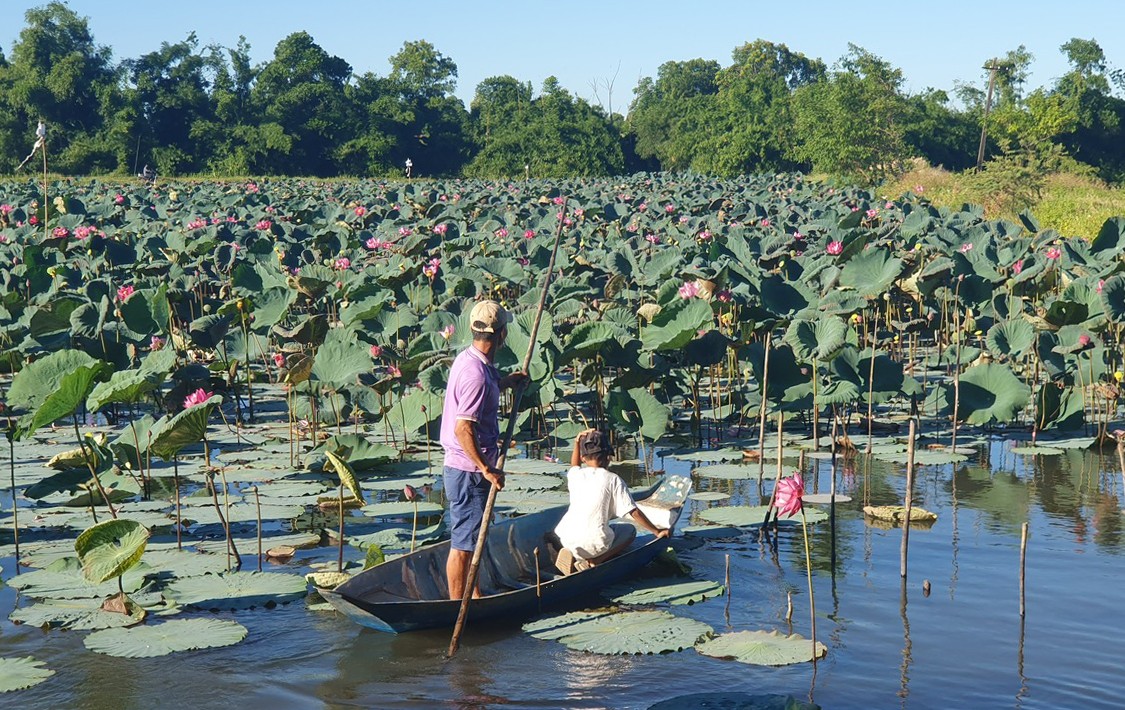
(583, 42)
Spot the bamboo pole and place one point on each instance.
(762, 411)
(909, 500)
(474, 565)
(1023, 566)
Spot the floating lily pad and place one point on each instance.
(531, 482)
(709, 496)
(824, 498)
(762, 648)
(20, 673)
(895, 513)
(712, 531)
(1036, 451)
(663, 591)
(923, 457)
(240, 513)
(396, 538)
(731, 472)
(539, 466)
(168, 637)
(76, 614)
(733, 701)
(250, 542)
(397, 483)
(63, 579)
(288, 489)
(709, 455)
(620, 633)
(185, 563)
(400, 508)
(238, 590)
(753, 515)
(1081, 442)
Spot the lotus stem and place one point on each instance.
(909, 500)
(340, 541)
(93, 472)
(231, 551)
(808, 574)
(176, 484)
(258, 511)
(1023, 566)
(414, 527)
(762, 410)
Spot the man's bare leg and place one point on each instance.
(456, 571)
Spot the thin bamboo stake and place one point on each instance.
(478, 550)
(1023, 566)
(762, 411)
(258, 509)
(909, 500)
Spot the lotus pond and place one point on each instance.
(204, 375)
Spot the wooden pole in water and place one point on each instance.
(909, 500)
(1023, 561)
(258, 510)
(505, 441)
(762, 412)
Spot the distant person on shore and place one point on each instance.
(596, 497)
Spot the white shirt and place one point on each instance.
(596, 497)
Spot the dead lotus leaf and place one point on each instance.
(281, 552)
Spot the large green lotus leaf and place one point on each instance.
(922, 457)
(663, 591)
(63, 579)
(990, 393)
(762, 648)
(1010, 338)
(360, 452)
(20, 673)
(733, 701)
(1061, 408)
(122, 386)
(346, 475)
(707, 349)
(676, 324)
(341, 359)
(168, 637)
(526, 501)
(638, 411)
(186, 563)
(396, 538)
(730, 471)
(412, 412)
(111, 547)
(1113, 297)
(855, 367)
(588, 338)
(1036, 451)
(188, 427)
(630, 632)
(35, 382)
(301, 540)
(530, 481)
(1109, 236)
(76, 615)
(817, 340)
(241, 512)
(237, 590)
(871, 272)
(743, 516)
(397, 484)
(271, 305)
(709, 496)
(69, 393)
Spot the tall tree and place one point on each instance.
(1099, 130)
(665, 113)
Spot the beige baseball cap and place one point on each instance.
(488, 317)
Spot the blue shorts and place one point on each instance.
(467, 492)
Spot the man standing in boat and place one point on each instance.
(470, 436)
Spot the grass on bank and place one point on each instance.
(1072, 205)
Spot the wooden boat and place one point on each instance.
(409, 593)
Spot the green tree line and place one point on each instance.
(186, 109)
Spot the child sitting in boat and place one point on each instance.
(596, 497)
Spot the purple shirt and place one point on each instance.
(473, 393)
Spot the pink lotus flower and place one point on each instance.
(360, 211)
(405, 231)
(690, 289)
(33, 220)
(683, 219)
(559, 200)
(529, 234)
(522, 261)
(342, 264)
(1054, 253)
(5, 209)
(60, 232)
(787, 495)
(441, 228)
(652, 239)
(966, 248)
(430, 269)
(704, 235)
(156, 343)
(1017, 267)
(798, 235)
(447, 331)
(1084, 340)
(765, 222)
(376, 351)
(889, 206)
(196, 398)
(918, 189)
(279, 359)
(669, 208)
(835, 248)
(264, 225)
(642, 207)
(198, 223)
(251, 187)
(724, 296)
(872, 213)
(1101, 284)
(124, 292)
(119, 199)
(394, 371)
(501, 232)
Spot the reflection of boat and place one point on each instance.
(410, 593)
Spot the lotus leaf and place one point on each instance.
(709, 496)
(165, 638)
(630, 632)
(1113, 297)
(896, 513)
(762, 648)
(530, 481)
(77, 614)
(397, 509)
(556, 468)
(990, 393)
(70, 392)
(237, 590)
(20, 673)
(638, 411)
(39, 379)
(346, 475)
(733, 472)
(922, 457)
(708, 456)
(871, 272)
(170, 435)
(1010, 338)
(816, 340)
(753, 515)
(63, 579)
(663, 591)
(676, 324)
(1036, 451)
(109, 548)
